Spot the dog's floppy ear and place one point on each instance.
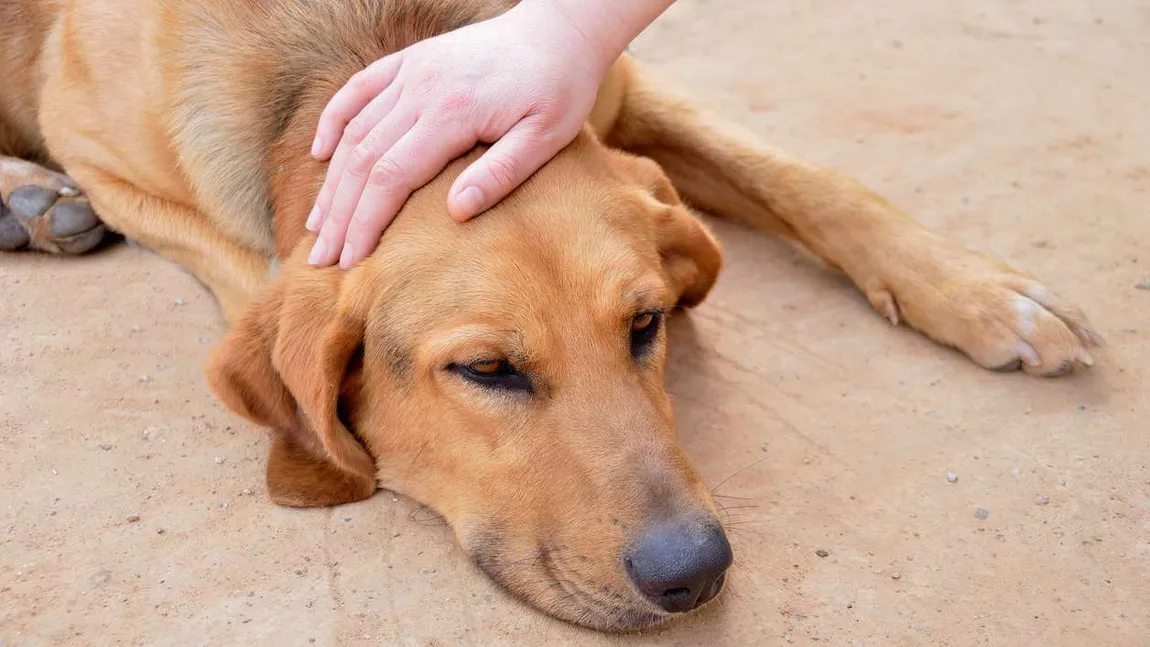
(282, 365)
(691, 256)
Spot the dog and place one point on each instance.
(507, 372)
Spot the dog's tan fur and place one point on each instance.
(187, 125)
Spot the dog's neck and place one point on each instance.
(294, 179)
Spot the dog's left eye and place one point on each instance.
(493, 374)
(644, 330)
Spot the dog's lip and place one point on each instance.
(582, 609)
(713, 591)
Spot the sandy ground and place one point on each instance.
(1020, 128)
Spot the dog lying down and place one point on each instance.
(507, 372)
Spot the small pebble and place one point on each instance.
(951, 477)
(763, 447)
(223, 504)
(1082, 407)
(105, 446)
(347, 519)
(1062, 481)
(821, 553)
(179, 301)
(144, 378)
(896, 575)
(1144, 285)
(981, 513)
(133, 517)
(136, 328)
(246, 492)
(160, 531)
(204, 340)
(220, 460)
(1042, 499)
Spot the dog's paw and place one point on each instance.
(44, 210)
(999, 317)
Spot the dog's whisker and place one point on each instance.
(737, 472)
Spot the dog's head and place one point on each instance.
(507, 372)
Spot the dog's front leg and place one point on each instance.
(999, 316)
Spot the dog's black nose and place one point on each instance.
(680, 564)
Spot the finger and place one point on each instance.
(356, 131)
(359, 90)
(507, 164)
(415, 160)
(360, 161)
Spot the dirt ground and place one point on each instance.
(1019, 128)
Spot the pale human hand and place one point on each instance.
(525, 81)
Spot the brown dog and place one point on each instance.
(506, 372)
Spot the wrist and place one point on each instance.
(597, 30)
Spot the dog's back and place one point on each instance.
(214, 84)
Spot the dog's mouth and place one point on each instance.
(617, 589)
(560, 584)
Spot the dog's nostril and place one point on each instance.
(681, 564)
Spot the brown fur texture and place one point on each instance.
(187, 124)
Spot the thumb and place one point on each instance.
(507, 164)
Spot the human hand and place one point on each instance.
(525, 80)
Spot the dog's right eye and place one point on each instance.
(493, 374)
(644, 329)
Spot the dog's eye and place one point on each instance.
(488, 368)
(493, 374)
(644, 330)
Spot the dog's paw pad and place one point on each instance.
(57, 220)
(13, 236)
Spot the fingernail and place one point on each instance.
(1028, 354)
(316, 146)
(313, 220)
(318, 252)
(470, 200)
(345, 256)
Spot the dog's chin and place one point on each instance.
(547, 581)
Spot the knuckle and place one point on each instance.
(386, 173)
(356, 130)
(503, 171)
(362, 159)
(361, 82)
